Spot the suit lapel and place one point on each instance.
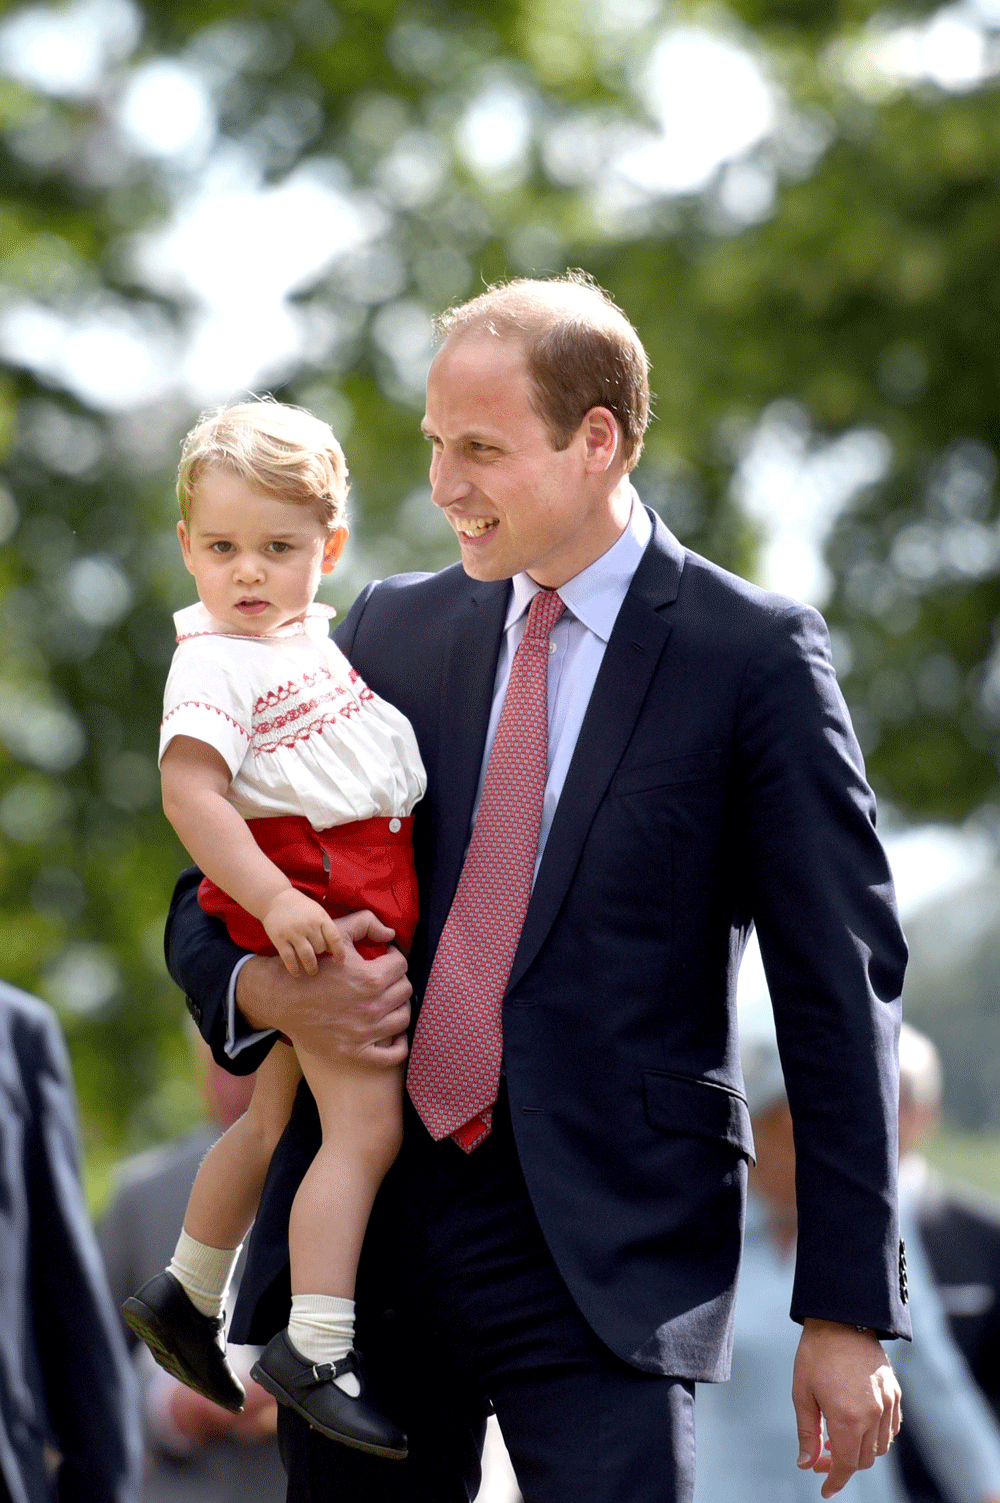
(630, 661)
(466, 700)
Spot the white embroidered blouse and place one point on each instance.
(298, 729)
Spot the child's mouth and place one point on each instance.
(251, 607)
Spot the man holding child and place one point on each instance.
(632, 756)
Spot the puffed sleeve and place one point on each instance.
(207, 699)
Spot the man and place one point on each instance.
(196, 1451)
(69, 1422)
(960, 1232)
(568, 1251)
(746, 1428)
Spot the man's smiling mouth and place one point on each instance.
(474, 527)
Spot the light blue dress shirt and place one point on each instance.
(592, 599)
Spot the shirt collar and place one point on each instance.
(195, 621)
(595, 595)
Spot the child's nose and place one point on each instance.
(248, 567)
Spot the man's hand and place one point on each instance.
(842, 1375)
(360, 1008)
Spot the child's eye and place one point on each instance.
(280, 547)
(222, 547)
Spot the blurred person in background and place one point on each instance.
(70, 1423)
(196, 1451)
(960, 1234)
(746, 1428)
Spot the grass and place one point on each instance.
(972, 1157)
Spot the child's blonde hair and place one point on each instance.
(279, 449)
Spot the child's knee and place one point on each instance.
(262, 1129)
(384, 1137)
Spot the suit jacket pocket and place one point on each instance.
(695, 768)
(698, 1108)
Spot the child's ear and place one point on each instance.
(182, 533)
(334, 547)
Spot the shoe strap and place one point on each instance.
(325, 1372)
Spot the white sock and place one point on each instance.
(203, 1273)
(321, 1329)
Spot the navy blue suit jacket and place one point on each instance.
(716, 784)
(66, 1383)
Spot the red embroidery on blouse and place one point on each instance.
(286, 691)
(309, 717)
(200, 704)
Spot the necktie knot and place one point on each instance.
(544, 611)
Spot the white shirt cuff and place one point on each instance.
(234, 1045)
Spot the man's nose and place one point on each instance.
(448, 483)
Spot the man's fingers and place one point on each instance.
(839, 1475)
(888, 1428)
(858, 1441)
(388, 1053)
(364, 925)
(331, 941)
(809, 1423)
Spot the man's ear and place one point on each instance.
(185, 540)
(334, 547)
(601, 438)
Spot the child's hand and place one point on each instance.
(301, 929)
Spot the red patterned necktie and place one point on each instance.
(454, 1070)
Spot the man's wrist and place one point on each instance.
(240, 1031)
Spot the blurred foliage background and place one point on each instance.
(796, 201)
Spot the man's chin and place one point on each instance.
(482, 569)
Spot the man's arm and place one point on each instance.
(363, 1004)
(821, 896)
(820, 893)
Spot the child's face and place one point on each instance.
(256, 559)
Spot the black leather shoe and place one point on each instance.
(188, 1344)
(312, 1393)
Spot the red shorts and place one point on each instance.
(365, 864)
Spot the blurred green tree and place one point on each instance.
(819, 300)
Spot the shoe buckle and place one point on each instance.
(322, 1373)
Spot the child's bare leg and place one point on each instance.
(179, 1313)
(312, 1366)
(361, 1114)
(227, 1190)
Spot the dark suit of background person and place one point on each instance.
(716, 782)
(226, 1460)
(69, 1422)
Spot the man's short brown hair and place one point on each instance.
(581, 351)
(279, 449)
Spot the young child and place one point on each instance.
(292, 785)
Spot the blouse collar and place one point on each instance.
(195, 621)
